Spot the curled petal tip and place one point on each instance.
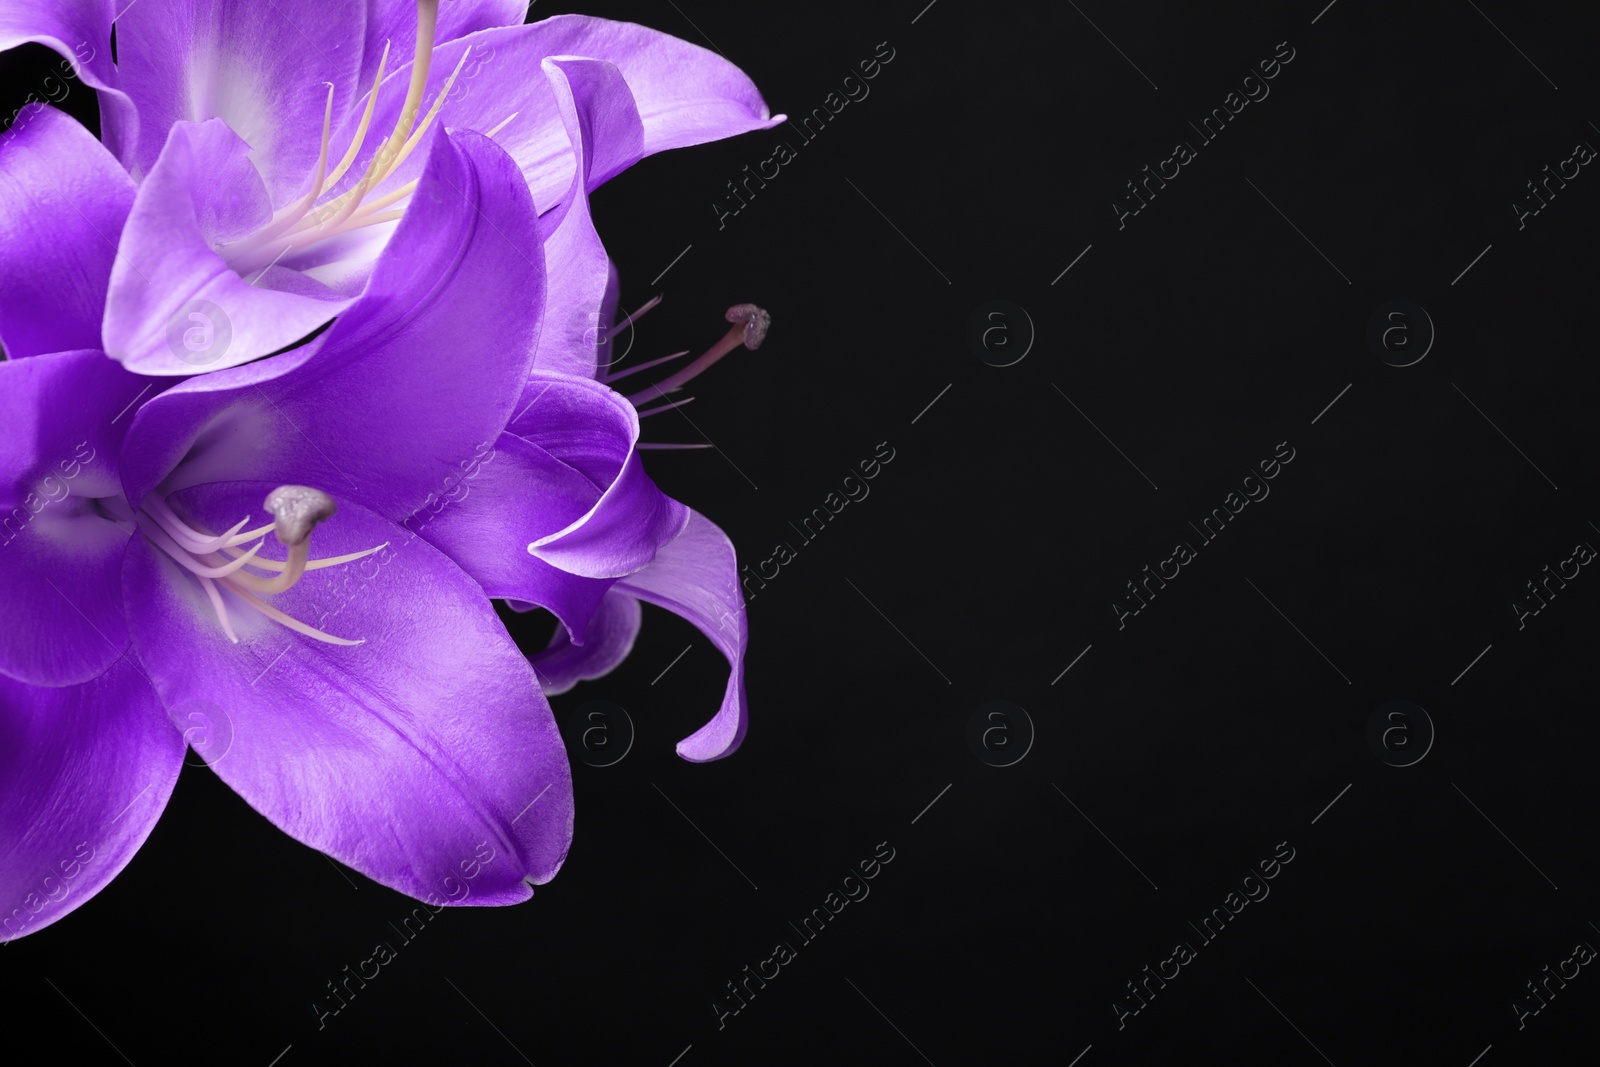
(756, 322)
(298, 510)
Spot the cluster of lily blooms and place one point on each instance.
(283, 295)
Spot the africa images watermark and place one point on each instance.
(1582, 554)
(385, 953)
(1552, 983)
(855, 89)
(50, 489)
(1210, 529)
(52, 889)
(453, 488)
(54, 89)
(852, 488)
(1582, 154)
(1253, 889)
(855, 889)
(1255, 90)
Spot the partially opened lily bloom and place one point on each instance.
(581, 529)
(171, 546)
(276, 145)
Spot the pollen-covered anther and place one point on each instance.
(755, 321)
(298, 510)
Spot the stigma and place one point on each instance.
(219, 563)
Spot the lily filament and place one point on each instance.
(217, 561)
(296, 226)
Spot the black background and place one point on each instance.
(1178, 750)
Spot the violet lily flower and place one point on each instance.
(599, 536)
(277, 145)
(136, 597)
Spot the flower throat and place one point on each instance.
(297, 227)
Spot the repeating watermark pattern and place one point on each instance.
(1400, 333)
(50, 489)
(1541, 594)
(54, 90)
(1000, 333)
(52, 889)
(600, 733)
(342, 989)
(1252, 89)
(1253, 488)
(1000, 733)
(1543, 192)
(1543, 989)
(199, 333)
(209, 732)
(853, 488)
(853, 888)
(1400, 733)
(1253, 889)
(852, 89)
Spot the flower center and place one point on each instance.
(218, 562)
(296, 227)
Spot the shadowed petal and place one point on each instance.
(80, 32)
(608, 639)
(684, 95)
(263, 68)
(176, 307)
(596, 431)
(85, 771)
(421, 373)
(59, 555)
(590, 93)
(696, 577)
(484, 521)
(411, 757)
(63, 200)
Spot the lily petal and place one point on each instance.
(513, 493)
(590, 94)
(80, 32)
(383, 406)
(263, 68)
(85, 772)
(594, 430)
(176, 307)
(63, 200)
(684, 95)
(696, 577)
(60, 554)
(608, 639)
(419, 756)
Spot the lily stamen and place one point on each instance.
(189, 539)
(292, 214)
(366, 121)
(659, 408)
(297, 226)
(186, 560)
(215, 560)
(749, 330)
